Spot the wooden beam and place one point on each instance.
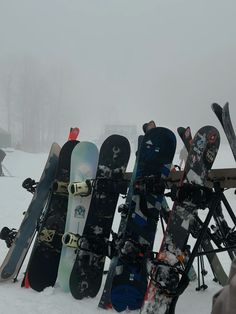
(226, 177)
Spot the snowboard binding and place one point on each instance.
(110, 186)
(60, 187)
(70, 239)
(198, 195)
(82, 189)
(149, 185)
(30, 185)
(177, 282)
(96, 245)
(8, 235)
(123, 209)
(231, 237)
(132, 252)
(219, 237)
(151, 213)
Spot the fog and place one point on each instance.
(92, 63)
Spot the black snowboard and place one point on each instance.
(87, 272)
(44, 260)
(165, 285)
(105, 300)
(215, 264)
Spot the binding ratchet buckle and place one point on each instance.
(83, 188)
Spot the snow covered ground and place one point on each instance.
(15, 200)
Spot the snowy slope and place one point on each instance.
(14, 200)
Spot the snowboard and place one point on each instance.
(105, 300)
(163, 289)
(87, 272)
(21, 244)
(215, 264)
(154, 161)
(44, 260)
(223, 116)
(84, 160)
(186, 136)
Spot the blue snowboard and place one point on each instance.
(154, 160)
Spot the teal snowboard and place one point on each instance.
(84, 160)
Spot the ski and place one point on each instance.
(229, 130)
(223, 116)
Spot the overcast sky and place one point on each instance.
(133, 60)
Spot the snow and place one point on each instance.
(15, 200)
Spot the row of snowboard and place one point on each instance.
(72, 213)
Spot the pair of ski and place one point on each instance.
(223, 116)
